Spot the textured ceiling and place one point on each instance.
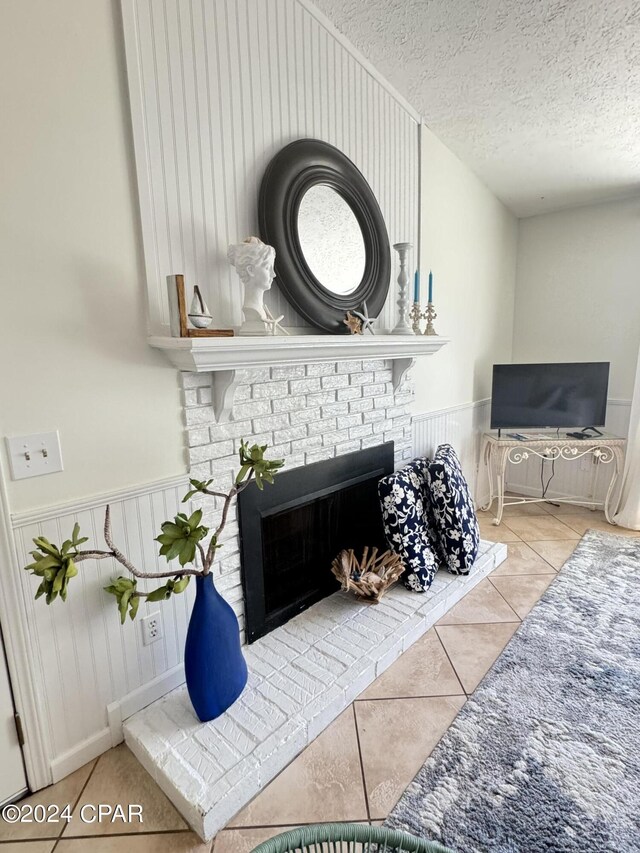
(541, 98)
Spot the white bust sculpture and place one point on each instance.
(254, 262)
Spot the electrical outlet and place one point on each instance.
(151, 628)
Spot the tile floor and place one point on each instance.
(357, 769)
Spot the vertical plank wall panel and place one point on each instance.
(86, 659)
(463, 427)
(218, 87)
(572, 478)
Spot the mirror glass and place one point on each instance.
(331, 239)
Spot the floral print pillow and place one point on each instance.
(421, 467)
(402, 501)
(453, 510)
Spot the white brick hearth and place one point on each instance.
(302, 675)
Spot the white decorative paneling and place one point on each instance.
(85, 660)
(462, 427)
(217, 88)
(572, 479)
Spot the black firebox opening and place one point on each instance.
(291, 531)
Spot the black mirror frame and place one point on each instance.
(294, 170)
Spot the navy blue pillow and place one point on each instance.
(402, 502)
(454, 513)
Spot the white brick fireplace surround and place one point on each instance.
(303, 674)
(304, 413)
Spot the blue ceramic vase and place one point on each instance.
(215, 668)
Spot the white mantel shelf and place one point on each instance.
(222, 357)
(204, 354)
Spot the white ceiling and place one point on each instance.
(541, 98)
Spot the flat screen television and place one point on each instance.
(549, 395)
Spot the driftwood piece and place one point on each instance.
(371, 576)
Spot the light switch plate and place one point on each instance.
(34, 455)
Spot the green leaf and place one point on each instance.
(181, 584)
(76, 533)
(46, 546)
(45, 563)
(242, 473)
(188, 553)
(124, 590)
(71, 570)
(198, 486)
(160, 594)
(134, 603)
(57, 583)
(169, 528)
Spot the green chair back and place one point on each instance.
(347, 838)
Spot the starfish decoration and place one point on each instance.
(272, 324)
(354, 324)
(367, 321)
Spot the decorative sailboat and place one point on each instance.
(199, 313)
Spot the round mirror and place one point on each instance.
(331, 239)
(332, 248)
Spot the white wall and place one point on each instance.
(578, 289)
(469, 241)
(73, 351)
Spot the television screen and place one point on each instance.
(549, 395)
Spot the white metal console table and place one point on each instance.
(499, 452)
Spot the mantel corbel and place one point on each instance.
(223, 390)
(401, 368)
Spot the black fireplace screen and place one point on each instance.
(292, 530)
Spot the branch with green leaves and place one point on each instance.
(181, 539)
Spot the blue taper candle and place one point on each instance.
(416, 287)
(430, 286)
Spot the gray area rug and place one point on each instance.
(545, 756)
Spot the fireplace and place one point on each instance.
(291, 531)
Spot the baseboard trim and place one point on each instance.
(122, 709)
(534, 492)
(81, 754)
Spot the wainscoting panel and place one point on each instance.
(86, 659)
(572, 479)
(462, 427)
(217, 87)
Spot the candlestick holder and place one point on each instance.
(430, 315)
(416, 315)
(402, 327)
